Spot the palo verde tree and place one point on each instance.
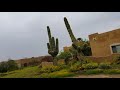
(53, 47)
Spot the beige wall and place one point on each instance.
(66, 49)
(101, 43)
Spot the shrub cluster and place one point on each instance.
(90, 66)
(104, 66)
(49, 69)
(10, 65)
(75, 67)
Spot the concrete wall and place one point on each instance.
(101, 43)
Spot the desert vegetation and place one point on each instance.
(73, 61)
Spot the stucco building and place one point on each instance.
(105, 44)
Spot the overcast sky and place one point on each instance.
(24, 34)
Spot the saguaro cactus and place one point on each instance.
(69, 30)
(76, 43)
(53, 48)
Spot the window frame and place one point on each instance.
(115, 44)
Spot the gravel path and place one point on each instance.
(98, 76)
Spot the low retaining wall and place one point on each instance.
(110, 58)
(33, 61)
(38, 60)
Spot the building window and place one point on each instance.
(116, 49)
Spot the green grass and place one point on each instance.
(34, 72)
(57, 74)
(28, 72)
(101, 71)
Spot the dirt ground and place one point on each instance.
(98, 76)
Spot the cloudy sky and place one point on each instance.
(24, 34)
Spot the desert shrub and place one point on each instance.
(94, 71)
(102, 71)
(116, 60)
(112, 71)
(65, 56)
(104, 66)
(75, 67)
(90, 66)
(86, 60)
(115, 66)
(57, 74)
(86, 48)
(72, 62)
(12, 65)
(49, 69)
(63, 66)
(9, 65)
(3, 67)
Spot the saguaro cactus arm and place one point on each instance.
(69, 30)
(57, 45)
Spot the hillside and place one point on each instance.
(34, 72)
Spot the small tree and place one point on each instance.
(3, 67)
(12, 65)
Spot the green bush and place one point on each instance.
(63, 66)
(104, 66)
(93, 71)
(116, 60)
(112, 71)
(75, 67)
(3, 67)
(90, 66)
(86, 60)
(72, 62)
(101, 71)
(115, 66)
(57, 74)
(65, 56)
(9, 65)
(12, 65)
(49, 69)
(86, 48)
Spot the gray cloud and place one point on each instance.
(24, 34)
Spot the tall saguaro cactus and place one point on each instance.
(76, 44)
(69, 30)
(53, 47)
